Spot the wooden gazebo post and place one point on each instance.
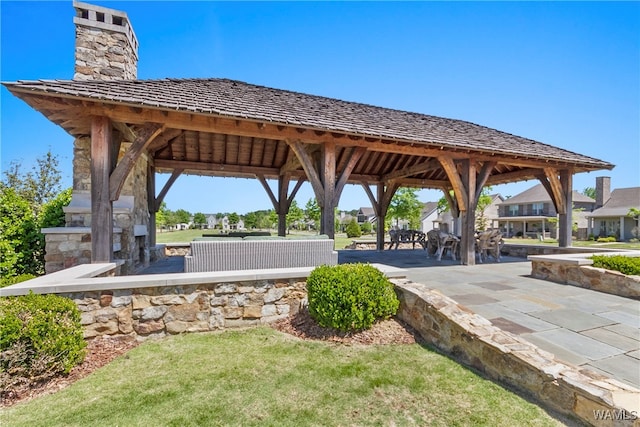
(101, 204)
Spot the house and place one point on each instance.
(533, 214)
(429, 217)
(610, 216)
(366, 215)
(446, 222)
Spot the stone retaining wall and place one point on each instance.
(502, 356)
(158, 311)
(576, 272)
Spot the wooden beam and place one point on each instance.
(151, 202)
(127, 133)
(354, 158)
(327, 211)
(174, 175)
(101, 205)
(163, 140)
(459, 190)
(217, 169)
(272, 196)
(565, 220)
(483, 176)
(468, 216)
(126, 164)
(309, 169)
(551, 182)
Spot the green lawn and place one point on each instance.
(576, 243)
(261, 377)
(184, 236)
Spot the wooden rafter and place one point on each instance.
(422, 167)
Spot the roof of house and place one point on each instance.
(367, 211)
(538, 193)
(621, 200)
(236, 99)
(428, 208)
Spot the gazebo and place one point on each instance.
(227, 128)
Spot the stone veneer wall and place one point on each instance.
(158, 311)
(106, 46)
(67, 247)
(474, 341)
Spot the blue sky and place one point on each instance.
(562, 73)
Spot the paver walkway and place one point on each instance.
(587, 328)
(583, 327)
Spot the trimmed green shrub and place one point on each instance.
(623, 264)
(40, 337)
(12, 280)
(353, 229)
(350, 297)
(365, 227)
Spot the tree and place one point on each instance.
(312, 211)
(295, 215)
(52, 214)
(233, 218)
(199, 219)
(353, 229)
(365, 227)
(589, 192)
(21, 243)
(38, 186)
(405, 205)
(251, 220)
(182, 216)
(483, 203)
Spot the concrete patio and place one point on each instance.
(582, 327)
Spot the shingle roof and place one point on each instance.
(621, 200)
(229, 98)
(538, 193)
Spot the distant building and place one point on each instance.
(533, 214)
(610, 216)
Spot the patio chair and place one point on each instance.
(488, 243)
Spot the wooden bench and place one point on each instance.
(220, 255)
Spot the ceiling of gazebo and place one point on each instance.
(222, 127)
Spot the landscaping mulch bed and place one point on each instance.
(101, 351)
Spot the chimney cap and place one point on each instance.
(94, 16)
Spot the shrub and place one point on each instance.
(609, 239)
(353, 229)
(365, 227)
(350, 297)
(52, 214)
(623, 264)
(12, 280)
(21, 243)
(40, 337)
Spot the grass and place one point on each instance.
(577, 243)
(261, 377)
(184, 236)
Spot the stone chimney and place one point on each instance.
(603, 190)
(106, 46)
